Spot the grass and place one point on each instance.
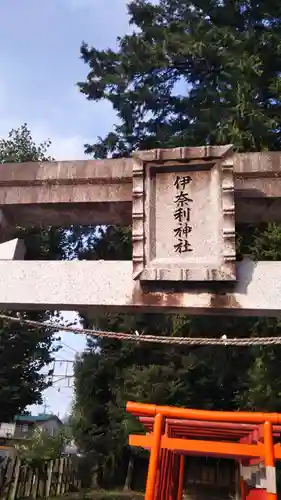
(104, 495)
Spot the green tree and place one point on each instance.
(24, 351)
(46, 242)
(98, 426)
(19, 147)
(40, 447)
(195, 73)
(191, 73)
(111, 372)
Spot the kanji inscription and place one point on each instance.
(183, 220)
(182, 214)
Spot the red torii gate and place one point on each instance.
(252, 439)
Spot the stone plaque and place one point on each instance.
(183, 215)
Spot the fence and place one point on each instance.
(55, 477)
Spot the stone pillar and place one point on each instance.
(5, 228)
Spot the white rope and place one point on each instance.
(156, 339)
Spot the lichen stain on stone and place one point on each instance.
(162, 299)
(224, 301)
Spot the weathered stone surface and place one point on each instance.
(12, 250)
(66, 182)
(103, 285)
(5, 228)
(67, 214)
(184, 215)
(100, 191)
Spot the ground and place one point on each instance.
(103, 495)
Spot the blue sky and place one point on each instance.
(40, 65)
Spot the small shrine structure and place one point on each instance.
(251, 439)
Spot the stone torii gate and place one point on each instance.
(182, 203)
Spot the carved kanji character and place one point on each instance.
(182, 199)
(182, 181)
(182, 214)
(182, 246)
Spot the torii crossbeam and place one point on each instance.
(186, 268)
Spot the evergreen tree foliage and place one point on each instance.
(191, 73)
(24, 351)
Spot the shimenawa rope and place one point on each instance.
(156, 339)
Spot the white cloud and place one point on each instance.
(63, 147)
(37, 84)
(68, 148)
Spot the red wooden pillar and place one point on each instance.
(172, 477)
(181, 478)
(154, 458)
(161, 484)
(268, 493)
(269, 462)
(157, 480)
(243, 489)
(175, 476)
(166, 485)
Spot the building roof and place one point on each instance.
(42, 417)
